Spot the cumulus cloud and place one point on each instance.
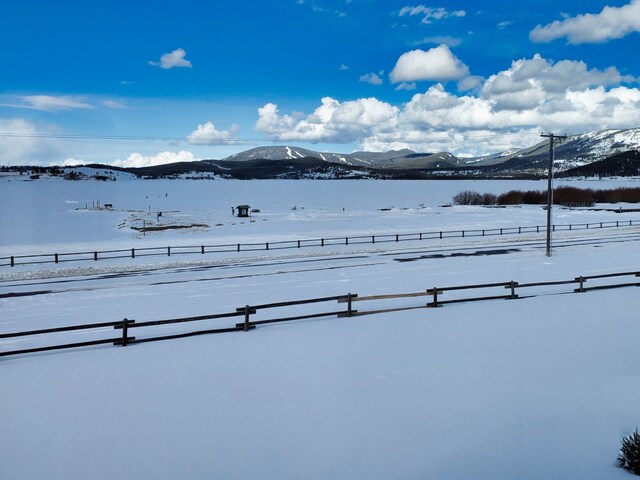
(208, 134)
(49, 103)
(430, 14)
(344, 67)
(136, 160)
(531, 81)
(372, 78)
(173, 59)
(21, 144)
(73, 162)
(438, 64)
(470, 83)
(610, 23)
(332, 120)
(532, 95)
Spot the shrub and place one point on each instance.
(534, 197)
(514, 197)
(629, 457)
(467, 197)
(489, 199)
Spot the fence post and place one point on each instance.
(133, 253)
(346, 241)
(95, 256)
(55, 257)
(500, 231)
(13, 262)
(168, 251)
(267, 245)
(440, 235)
(420, 235)
(537, 228)
(483, 233)
(125, 331)
(581, 287)
(349, 311)
(322, 242)
(462, 233)
(373, 239)
(397, 237)
(513, 286)
(435, 297)
(247, 312)
(238, 247)
(298, 243)
(519, 229)
(202, 249)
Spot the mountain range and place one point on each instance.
(611, 152)
(598, 153)
(574, 151)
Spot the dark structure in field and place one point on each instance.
(243, 210)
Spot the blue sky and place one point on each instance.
(193, 80)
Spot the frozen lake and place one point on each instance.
(59, 214)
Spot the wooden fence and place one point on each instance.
(436, 297)
(13, 260)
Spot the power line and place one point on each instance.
(232, 141)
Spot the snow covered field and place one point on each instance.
(541, 387)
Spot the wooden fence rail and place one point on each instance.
(95, 255)
(249, 323)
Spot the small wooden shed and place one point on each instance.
(243, 210)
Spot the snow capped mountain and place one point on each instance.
(398, 159)
(574, 151)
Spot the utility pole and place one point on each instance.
(551, 138)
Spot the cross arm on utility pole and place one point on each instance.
(551, 138)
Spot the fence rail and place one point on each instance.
(95, 255)
(439, 297)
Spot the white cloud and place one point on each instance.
(49, 103)
(470, 83)
(610, 23)
(440, 40)
(20, 144)
(429, 14)
(408, 86)
(173, 60)
(344, 67)
(208, 134)
(504, 24)
(438, 64)
(136, 160)
(114, 104)
(529, 82)
(532, 95)
(371, 78)
(72, 162)
(333, 120)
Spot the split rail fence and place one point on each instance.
(248, 314)
(13, 260)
